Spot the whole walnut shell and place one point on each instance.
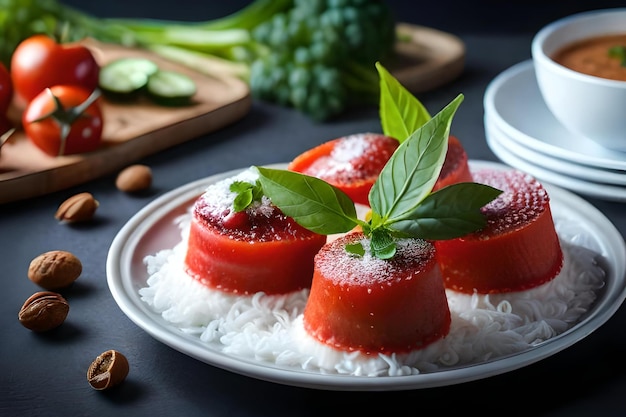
(43, 311)
(55, 269)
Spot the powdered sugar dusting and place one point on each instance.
(522, 200)
(269, 328)
(352, 147)
(412, 253)
(354, 157)
(218, 198)
(262, 221)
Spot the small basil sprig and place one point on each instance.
(401, 200)
(246, 193)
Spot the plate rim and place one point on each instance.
(609, 192)
(127, 298)
(557, 165)
(490, 109)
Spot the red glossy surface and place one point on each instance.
(455, 168)
(45, 129)
(259, 253)
(517, 250)
(389, 306)
(355, 174)
(351, 163)
(40, 62)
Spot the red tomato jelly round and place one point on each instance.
(361, 303)
(455, 167)
(259, 249)
(518, 249)
(351, 163)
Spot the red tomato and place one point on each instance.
(43, 119)
(6, 89)
(39, 62)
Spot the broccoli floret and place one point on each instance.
(321, 55)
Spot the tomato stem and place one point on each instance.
(6, 135)
(66, 117)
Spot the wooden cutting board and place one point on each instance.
(427, 59)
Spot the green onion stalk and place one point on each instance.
(317, 56)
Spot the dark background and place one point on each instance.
(44, 375)
(456, 16)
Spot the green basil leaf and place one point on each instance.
(382, 244)
(311, 202)
(401, 113)
(450, 212)
(355, 248)
(257, 192)
(245, 195)
(239, 186)
(411, 172)
(242, 200)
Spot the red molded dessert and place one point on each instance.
(455, 168)
(362, 303)
(351, 163)
(518, 249)
(259, 249)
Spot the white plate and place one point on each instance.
(587, 188)
(513, 102)
(153, 229)
(557, 165)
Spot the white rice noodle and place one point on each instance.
(269, 328)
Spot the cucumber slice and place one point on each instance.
(170, 88)
(124, 77)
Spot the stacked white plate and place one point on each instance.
(523, 133)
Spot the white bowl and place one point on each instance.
(590, 106)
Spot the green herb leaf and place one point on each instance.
(355, 248)
(382, 244)
(618, 52)
(311, 202)
(448, 213)
(410, 174)
(401, 113)
(402, 201)
(245, 194)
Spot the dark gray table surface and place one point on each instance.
(44, 374)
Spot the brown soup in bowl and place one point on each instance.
(600, 56)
